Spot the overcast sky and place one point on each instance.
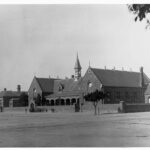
(43, 40)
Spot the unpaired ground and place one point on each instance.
(20, 129)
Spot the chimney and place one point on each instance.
(122, 69)
(113, 68)
(105, 67)
(141, 76)
(18, 88)
(5, 89)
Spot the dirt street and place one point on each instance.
(74, 130)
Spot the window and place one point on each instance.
(135, 95)
(89, 71)
(61, 87)
(127, 95)
(108, 94)
(34, 90)
(90, 84)
(118, 95)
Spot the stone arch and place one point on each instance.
(47, 102)
(78, 101)
(52, 102)
(73, 101)
(32, 107)
(57, 101)
(62, 102)
(67, 101)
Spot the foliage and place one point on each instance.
(95, 97)
(140, 11)
(38, 100)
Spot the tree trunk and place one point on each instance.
(95, 107)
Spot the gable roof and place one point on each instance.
(117, 78)
(46, 84)
(70, 88)
(69, 85)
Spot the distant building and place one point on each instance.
(12, 98)
(119, 85)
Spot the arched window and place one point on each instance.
(61, 87)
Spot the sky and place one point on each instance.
(43, 40)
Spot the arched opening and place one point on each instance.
(68, 101)
(32, 107)
(52, 102)
(47, 102)
(73, 101)
(78, 101)
(62, 102)
(57, 102)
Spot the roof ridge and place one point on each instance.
(37, 79)
(115, 70)
(46, 78)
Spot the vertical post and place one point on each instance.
(122, 106)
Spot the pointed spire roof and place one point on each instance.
(77, 64)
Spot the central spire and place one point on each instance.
(77, 68)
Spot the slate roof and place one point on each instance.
(71, 88)
(46, 84)
(117, 78)
(11, 94)
(65, 94)
(69, 85)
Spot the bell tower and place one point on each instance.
(77, 69)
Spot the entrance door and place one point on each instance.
(32, 107)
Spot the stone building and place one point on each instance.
(12, 98)
(57, 91)
(119, 85)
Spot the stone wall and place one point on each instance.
(127, 108)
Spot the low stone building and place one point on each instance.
(39, 89)
(13, 98)
(53, 91)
